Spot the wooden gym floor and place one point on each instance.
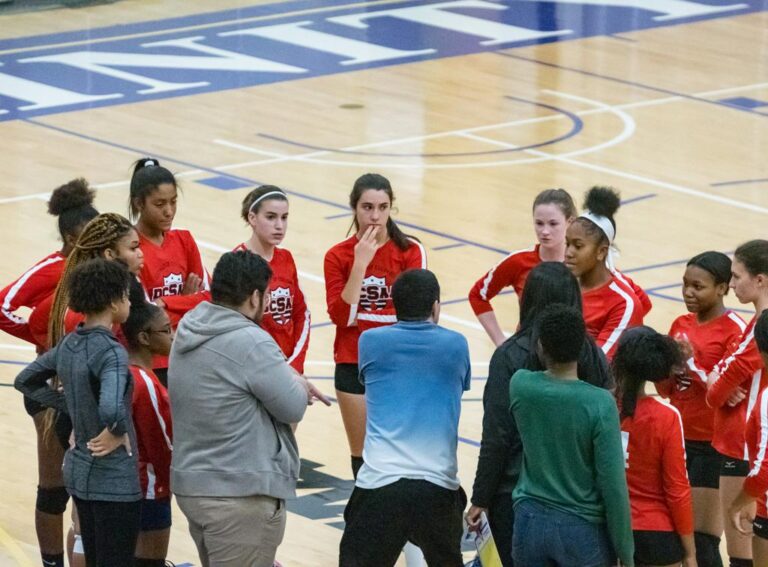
(455, 102)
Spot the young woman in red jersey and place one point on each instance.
(108, 236)
(734, 386)
(707, 332)
(610, 299)
(286, 316)
(148, 333)
(173, 268)
(359, 273)
(553, 210)
(72, 203)
(755, 487)
(652, 433)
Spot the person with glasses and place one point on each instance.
(148, 333)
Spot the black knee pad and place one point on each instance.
(707, 550)
(737, 562)
(52, 500)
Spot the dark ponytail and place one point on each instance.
(604, 202)
(643, 355)
(72, 203)
(147, 176)
(379, 183)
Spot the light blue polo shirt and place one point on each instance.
(414, 375)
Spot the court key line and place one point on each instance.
(601, 108)
(285, 158)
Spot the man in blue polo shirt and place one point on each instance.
(407, 489)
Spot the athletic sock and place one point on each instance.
(53, 559)
(357, 462)
(737, 562)
(707, 550)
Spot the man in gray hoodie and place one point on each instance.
(234, 398)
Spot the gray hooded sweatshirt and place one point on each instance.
(233, 398)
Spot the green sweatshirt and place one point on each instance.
(573, 458)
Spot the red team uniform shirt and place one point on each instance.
(659, 491)
(33, 287)
(154, 433)
(611, 309)
(743, 367)
(709, 341)
(756, 483)
(375, 307)
(165, 270)
(511, 271)
(286, 317)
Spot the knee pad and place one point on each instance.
(737, 562)
(52, 500)
(707, 550)
(143, 562)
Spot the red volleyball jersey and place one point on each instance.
(741, 367)
(29, 290)
(511, 271)
(154, 433)
(659, 491)
(609, 310)
(375, 306)
(165, 271)
(645, 301)
(40, 317)
(756, 483)
(709, 341)
(286, 317)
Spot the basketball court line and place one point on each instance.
(619, 80)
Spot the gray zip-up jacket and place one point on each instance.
(233, 398)
(93, 369)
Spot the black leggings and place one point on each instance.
(109, 531)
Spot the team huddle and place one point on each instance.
(154, 378)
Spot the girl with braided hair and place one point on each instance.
(109, 236)
(72, 205)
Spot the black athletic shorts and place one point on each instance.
(733, 467)
(381, 520)
(760, 527)
(155, 514)
(32, 407)
(162, 375)
(658, 548)
(346, 378)
(703, 463)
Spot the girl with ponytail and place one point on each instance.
(612, 303)
(72, 205)
(652, 432)
(173, 274)
(359, 273)
(553, 211)
(733, 388)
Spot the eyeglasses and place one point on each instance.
(164, 331)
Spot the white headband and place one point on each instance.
(150, 162)
(605, 224)
(264, 196)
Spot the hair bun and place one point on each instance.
(603, 201)
(72, 195)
